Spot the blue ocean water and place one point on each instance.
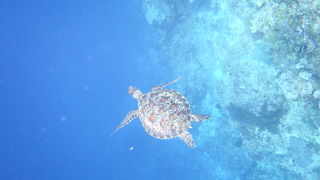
(65, 70)
(66, 66)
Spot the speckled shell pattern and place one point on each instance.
(164, 113)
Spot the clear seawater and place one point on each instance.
(65, 68)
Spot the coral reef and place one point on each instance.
(157, 12)
(257, 62)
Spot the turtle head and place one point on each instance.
(134, 92)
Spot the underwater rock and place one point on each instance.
(237, 142)
(257, 35)
(300, 152)
(266, 118)
(312, 68)
(256, 156)
(316, 94)
(305, 75)
(246, 133)
(250, 94)
(157, 12)
(295, 87)
(303, 62)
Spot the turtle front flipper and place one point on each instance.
(164, 85)
(199, 117)
(129, 117)
(187, 138)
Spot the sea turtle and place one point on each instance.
(164, 113)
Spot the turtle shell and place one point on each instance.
(164, 113)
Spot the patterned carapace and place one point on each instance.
(164, 113)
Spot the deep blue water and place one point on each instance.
(65, 69)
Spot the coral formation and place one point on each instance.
(257, 61)
(157, 12)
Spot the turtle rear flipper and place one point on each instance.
(129, 117)
(186, 137)
(199, 117)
